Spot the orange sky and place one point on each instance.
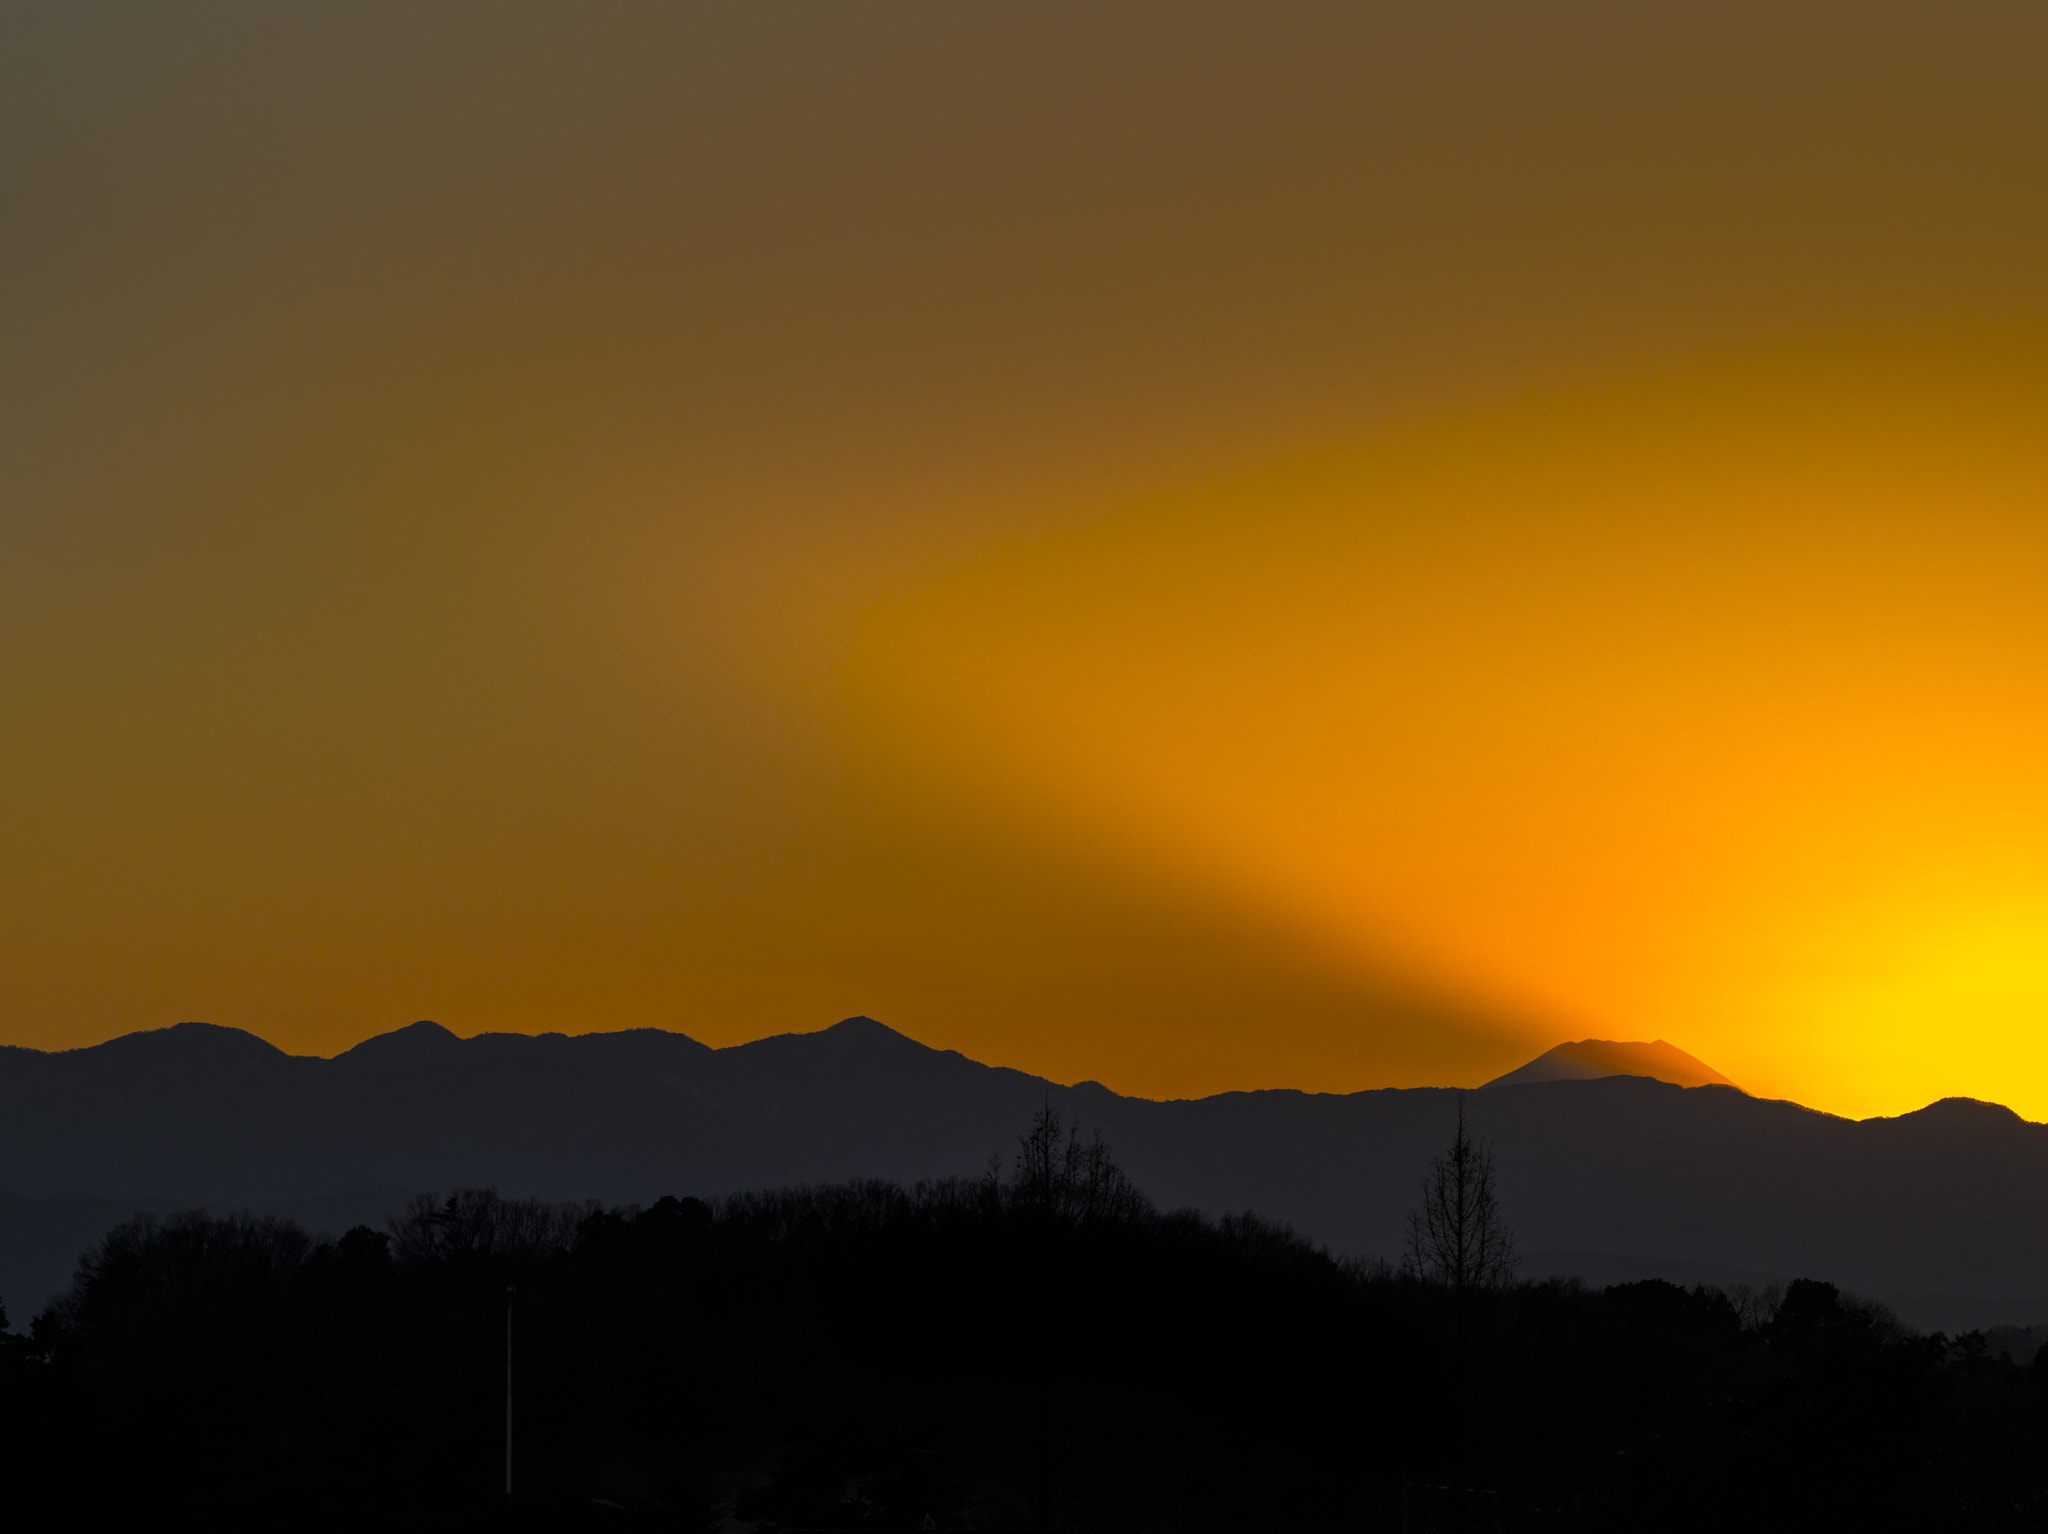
(1217, 546)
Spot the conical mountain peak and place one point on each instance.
(1587, 1059)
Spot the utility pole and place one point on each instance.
(509, 1292)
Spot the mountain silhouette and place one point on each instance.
(1591, 1058)
(1943, 1212)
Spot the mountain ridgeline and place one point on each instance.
(1942, 1213)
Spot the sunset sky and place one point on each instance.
(1323, 545)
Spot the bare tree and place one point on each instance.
(1064, 1179)
(479, 1222)
(1061, 1185)
(1458, 1241)
(1457, 1237)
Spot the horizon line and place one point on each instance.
(862, 1017)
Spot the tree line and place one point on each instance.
(1040, 1348)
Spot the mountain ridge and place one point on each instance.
(1949, 1201)
(427, 1036)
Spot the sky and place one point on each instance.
(1193, 546)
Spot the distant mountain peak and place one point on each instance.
(861, 1029)
(407, 1043)
(1587, 1059)
(851, 1038)
(211, 1040)
(860, 1022)
(1962, 1108)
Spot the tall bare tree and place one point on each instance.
(1458, 1240)
(1456, 1237)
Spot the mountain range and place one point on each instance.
(1942, 1213)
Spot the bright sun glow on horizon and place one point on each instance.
(1676, 712)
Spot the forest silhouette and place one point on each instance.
(1040, 1348)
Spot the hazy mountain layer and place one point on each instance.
(1940, 1211)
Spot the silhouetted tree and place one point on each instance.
(1456, 1236)
(1061, 1185)
(1458, 1241)
(1064, 1179)
(479, 1223)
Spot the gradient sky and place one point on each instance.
(1197, 546)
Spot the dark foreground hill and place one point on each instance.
(1943, 1213)
(1040, 1352)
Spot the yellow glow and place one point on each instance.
(1927, 984)
(1559, 705)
